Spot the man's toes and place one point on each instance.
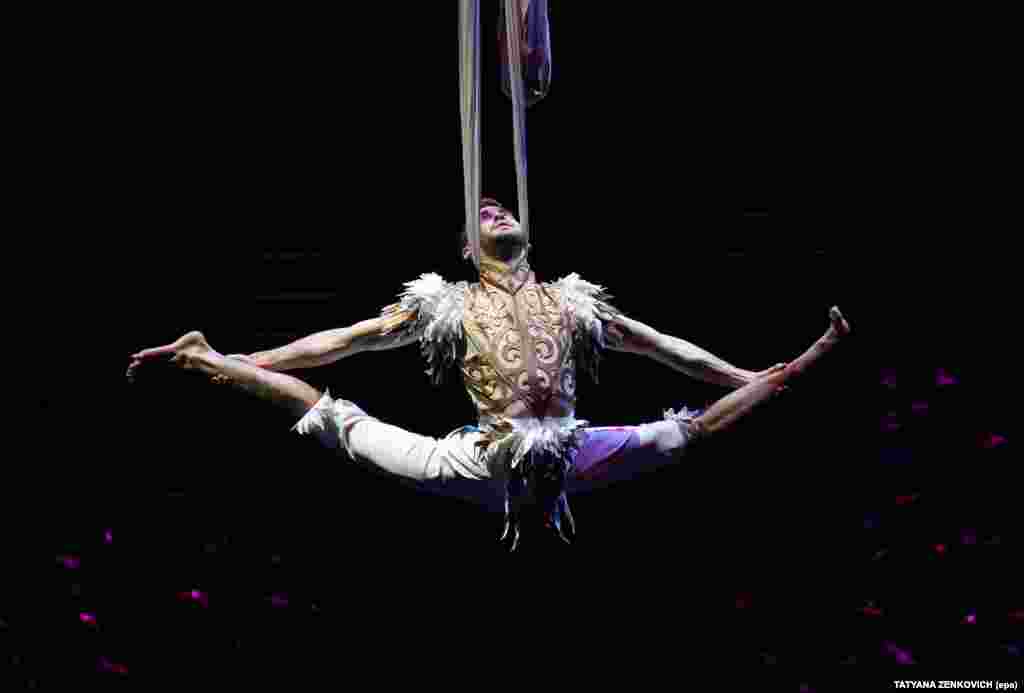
(153, 353)
(838, 321)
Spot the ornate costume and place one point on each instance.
(517, 343)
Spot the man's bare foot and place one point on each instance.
(737, 404)
(186, 352)
(840, 327)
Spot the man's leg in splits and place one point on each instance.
(725, 412)
(450, 466)
(616, 453)
(193, 353)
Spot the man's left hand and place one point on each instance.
(754, 376)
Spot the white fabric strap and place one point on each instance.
(514, 11)
(469, 104)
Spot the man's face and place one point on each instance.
(497, 224)
(501, 236)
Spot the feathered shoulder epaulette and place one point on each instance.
(589, 309)
(431, 308)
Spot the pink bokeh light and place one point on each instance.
(943, 378)
(70, 562)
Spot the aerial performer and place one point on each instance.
(515, 341)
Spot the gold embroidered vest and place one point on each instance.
(519, 358)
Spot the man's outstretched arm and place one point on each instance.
(632, 336)
(326, 347)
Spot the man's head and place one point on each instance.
(501, 236)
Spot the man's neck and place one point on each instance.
(507, 275)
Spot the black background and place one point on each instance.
(264, 176)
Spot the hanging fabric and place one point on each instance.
(469, 105)
(524, 56)
(514, 15)
(536, 52)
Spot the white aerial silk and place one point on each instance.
(514, 15)
(469, 102)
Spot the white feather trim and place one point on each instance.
(424, 294)
(318, 418)
(438, 309)
(588, 308)
(685, 415)
(553, 436)
(586, 303)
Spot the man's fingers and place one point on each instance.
(777, 368)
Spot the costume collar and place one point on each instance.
(509, 277)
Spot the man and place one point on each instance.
(516, 343)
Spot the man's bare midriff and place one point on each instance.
(556, 408)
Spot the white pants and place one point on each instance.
(450, 466)
(456, 466)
